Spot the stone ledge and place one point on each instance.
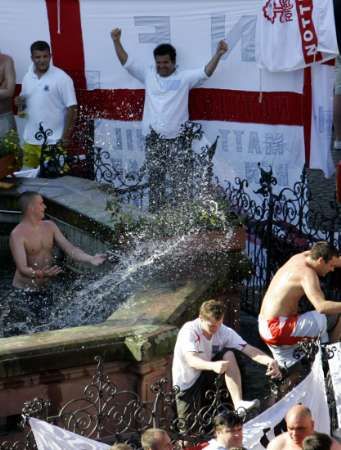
(23, 355)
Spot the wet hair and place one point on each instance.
(324, 250)
(149, 438)
(212, 309)
(121, 446)
(228, 419)
(40, 46)
(165, 49)
(25, 199)
(317, 441)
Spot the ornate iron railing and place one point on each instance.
(131, 185)
(108, 414)
(278, 226)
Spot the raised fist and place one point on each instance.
(116, 34)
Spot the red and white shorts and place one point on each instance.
(282, 334)
(292, 329)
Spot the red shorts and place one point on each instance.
(292, 329)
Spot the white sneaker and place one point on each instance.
(246, 405)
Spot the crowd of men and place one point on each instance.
(228, 434)
(205, 347)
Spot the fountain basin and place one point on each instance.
(136, 341)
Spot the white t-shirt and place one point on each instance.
(47, 99)
(214, 445)
(166, 100)
(192, 339)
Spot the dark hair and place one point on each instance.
(26, 198)
(40, 46)
(212, 309)
(317, 441)
(228, 419)
(324, 250)
(165, 49)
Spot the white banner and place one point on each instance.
(51, 437)
(194, 27)
(335, 373)
(240, 147)
(322, 81)
(263, 428)
(292, 32)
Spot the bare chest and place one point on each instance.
(38, 242)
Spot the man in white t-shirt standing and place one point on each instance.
(47, 97)
(203, 348)
(165, 112)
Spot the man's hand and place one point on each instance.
(222, 48)
(52, 271)
(20, 103)
(220, 367)
(273, 370)
(116, 34)
(98, 259)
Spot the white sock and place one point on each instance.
(248, 404)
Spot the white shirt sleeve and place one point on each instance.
(136, 70)
(67, 91)
(196, 77)
(23, 86)
(232, 339)
(189, 341)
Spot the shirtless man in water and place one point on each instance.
(32, 242)
(280, 325)
(7, 86)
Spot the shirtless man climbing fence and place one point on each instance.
(280, 325)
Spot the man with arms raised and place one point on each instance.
(300, 425)
(32, 242)
(202, 351)
(165, 111)
(280, 325)
(7, 86)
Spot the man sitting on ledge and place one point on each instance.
(32, 242)
(202, 350)
(280, 325)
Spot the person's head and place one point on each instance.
(228, 428)
(156, 439)
(211, 315)
(121, 446)
(165, 59)
(317, 441)
(32, 204)
(300, 423)
(323, 255)
(41, 56)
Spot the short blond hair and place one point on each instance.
(212, 309)
(150, 438)
(121, 446)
